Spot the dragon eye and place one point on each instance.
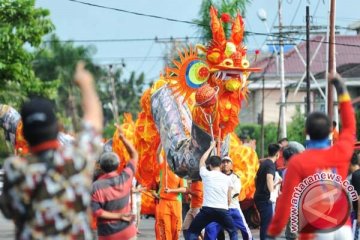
(197, 72)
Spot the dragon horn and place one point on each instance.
(237, 29)
(217, 27)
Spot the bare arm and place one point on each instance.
(90, 101)
(116, 216)
(229, 195)
(176, 190)
(206, 154)
(270, 182)
(128, 145)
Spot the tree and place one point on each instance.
(55, 62)
(128, 91)
(232, 7)
(296, 128)
(22, 27)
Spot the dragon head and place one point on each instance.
(226, 58)
(219, 69)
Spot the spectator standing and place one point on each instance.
(319, 157)
(280, 164)
(217, 197)
(264, 184)
(136, 202)
(288, 152)
(355, 181)
(212, 229)
(169, 208)
(110, 200)
(47, 194)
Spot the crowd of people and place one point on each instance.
(50, 193)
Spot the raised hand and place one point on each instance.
(82, 76)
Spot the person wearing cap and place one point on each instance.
(217, 197)
(110, 200)
(212, 229)
(47, 193)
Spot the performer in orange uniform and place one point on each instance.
(318, 157)
(169, 208)
(196, 192)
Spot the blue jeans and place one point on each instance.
(265, 209)
(208, 215)
(212, 230)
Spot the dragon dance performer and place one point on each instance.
(169, 208)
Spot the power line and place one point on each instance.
(185, 38)
(184, 21)
(295, 14)
(125, 39)
(136, 13)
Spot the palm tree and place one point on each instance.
(231, 7)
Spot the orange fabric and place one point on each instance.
(245, 165)
(93, 222)
(147, 140)
(147, 203)
(197, 198)
(128, 128)
(168, 179)
(21, 145)
(169, 219)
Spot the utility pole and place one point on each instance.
(113, 96)
(282, 79)
(331, 64)
(263, 118)
(307, 60)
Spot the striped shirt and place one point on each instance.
(111, 192)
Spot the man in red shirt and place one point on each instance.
(320, 157)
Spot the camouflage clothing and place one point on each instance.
(48, 195)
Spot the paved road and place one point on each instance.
(146, 230)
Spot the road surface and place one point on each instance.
(146, 230)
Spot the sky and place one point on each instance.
(75, 21)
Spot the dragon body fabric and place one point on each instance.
(197, 100)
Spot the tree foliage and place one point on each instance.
(295, 132)
(232, 7)
(296, 128)
(22, 27)
(128, 92)
(55, 62)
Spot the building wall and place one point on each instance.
(250, 112)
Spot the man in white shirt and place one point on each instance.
(217, 197)
(212, 230)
